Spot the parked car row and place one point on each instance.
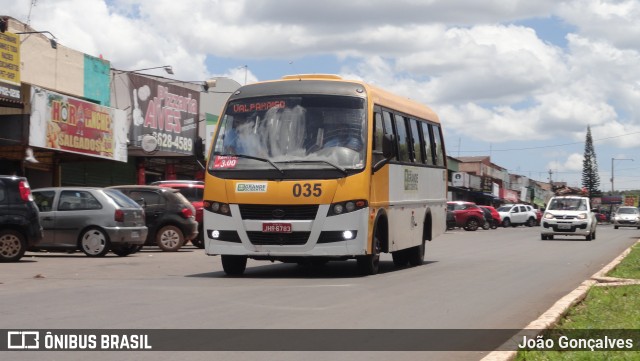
(120, 219)
(470, 216)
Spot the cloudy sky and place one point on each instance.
(517, 80)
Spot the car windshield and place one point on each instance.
(627, 211)
(567, 204)
(291, 132)
(192, 194)
(455, 206)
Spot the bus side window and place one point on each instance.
(403, 144)
(388, 126)
(416, 148)
(378, 133)
(428, 147)
(439, 147)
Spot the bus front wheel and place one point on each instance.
(234, 265)
(370, 264)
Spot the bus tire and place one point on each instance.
(233, 265)
(400, 258)
(416, 255)
(370, 264)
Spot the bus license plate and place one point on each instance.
(276, 227)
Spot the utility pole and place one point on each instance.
(612, 159)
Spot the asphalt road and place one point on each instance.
(495, 279)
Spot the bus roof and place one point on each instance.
(376, 94)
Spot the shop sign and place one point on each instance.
(165, 111)
(72, 125)
(9, 66)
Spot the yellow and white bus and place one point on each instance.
(314, 168)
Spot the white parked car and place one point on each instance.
(568, 216)
(516, 214)
(626, 217)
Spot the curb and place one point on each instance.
(551, 317)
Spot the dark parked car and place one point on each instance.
(169, 216)
(194, 192)
(495, 220)
(19, 223)
(93, 220)
(467, 215)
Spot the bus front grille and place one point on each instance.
(278, 239)
(278, 212)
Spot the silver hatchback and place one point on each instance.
(94, 220)
(626, 217)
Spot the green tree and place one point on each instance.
(590, 177)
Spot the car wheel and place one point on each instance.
(615, 227)
(531, 222)
(472, 224)
(170, 238)
(124, 250)
(12, 245)
(400, 258)
(416, 255)
(506, 223)
(233, 265)
(486, 225)
(370, 264)
(589, 236)
(543, 237)
(94, 242)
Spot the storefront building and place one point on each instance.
(68, 118)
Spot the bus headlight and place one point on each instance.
(217, 207)
(338, 208)
(346, 207)
(347, 235)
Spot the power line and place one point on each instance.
(544, 146)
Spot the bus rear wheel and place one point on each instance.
(400, 258)
(416, 255)
(233, 265)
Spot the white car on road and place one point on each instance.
(568, 216)
(516, 214)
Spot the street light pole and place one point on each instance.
(612, 159)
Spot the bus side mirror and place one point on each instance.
(388, 151)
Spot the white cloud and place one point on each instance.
(573, 163)
(488, 79)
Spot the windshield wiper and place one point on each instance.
(342, 170)
(250, 157)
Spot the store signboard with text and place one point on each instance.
(165, 111)
(73, 125)
(9, 66)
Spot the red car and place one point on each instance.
(464, 214)
(496, 219)
(194, 192)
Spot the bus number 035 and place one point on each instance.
(307, 190)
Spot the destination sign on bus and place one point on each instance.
(258, 106)
(225, 161)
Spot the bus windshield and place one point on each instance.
(291, 132)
